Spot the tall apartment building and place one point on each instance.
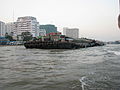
(2, 29)
(71, 32)
(42, 32)
(11, 28)
(28, 24)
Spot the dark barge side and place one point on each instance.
(51, 45)
(60, 45)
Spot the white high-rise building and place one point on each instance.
(42, 32)
(71, 32)
(2, 29)
(28, 24)
(11, 28)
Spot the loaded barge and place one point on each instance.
(51, 45)
(59, 45)
(58, 41)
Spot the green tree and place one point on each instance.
(26, 36)
(9, 37)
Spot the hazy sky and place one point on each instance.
(94, 18)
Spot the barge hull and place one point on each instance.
(51, 45)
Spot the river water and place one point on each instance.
(95, 68)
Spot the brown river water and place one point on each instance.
(95, 68)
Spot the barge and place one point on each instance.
(51, 45)
(59, 45)
(58, 41)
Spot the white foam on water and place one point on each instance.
(82, 82)
(115, 52)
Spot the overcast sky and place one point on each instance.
(95, 18)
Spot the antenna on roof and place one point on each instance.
(13, 15)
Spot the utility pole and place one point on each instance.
(13, 15)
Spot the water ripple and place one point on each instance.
(94, 68)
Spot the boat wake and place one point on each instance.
(83, 84)
(115, 52)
